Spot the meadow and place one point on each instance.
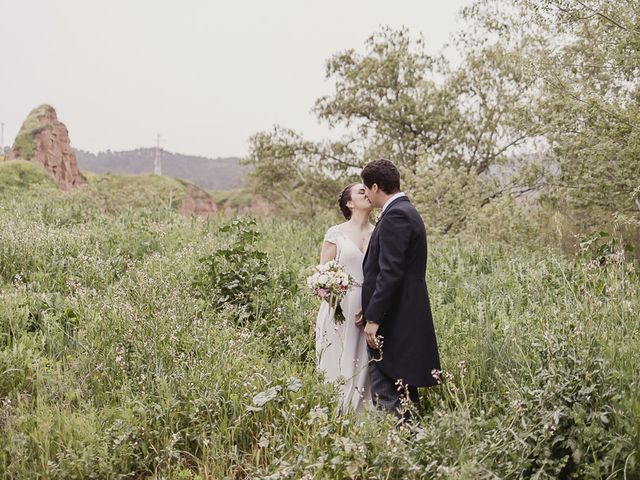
(138, 343)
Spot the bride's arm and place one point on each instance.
(328, 252)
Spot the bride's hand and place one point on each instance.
(359, 319)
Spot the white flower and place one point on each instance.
(264, 440)
(318, 413)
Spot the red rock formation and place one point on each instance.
(197, 201)
(44, 139)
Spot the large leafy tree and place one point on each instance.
(584, 56)
(539, 79)
(591, 99)
(389, 95)
(297, 174)
(404, 105)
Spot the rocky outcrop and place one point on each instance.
(43, 139)
(197, 201)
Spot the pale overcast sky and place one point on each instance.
(205, 74)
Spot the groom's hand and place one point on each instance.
(370, 331)
(359, 319)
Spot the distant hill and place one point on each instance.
(208, 173)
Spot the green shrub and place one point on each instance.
(236, 273)
(19, 174)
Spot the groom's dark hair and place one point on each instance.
(383, 173)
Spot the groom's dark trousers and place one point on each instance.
(390, 394)
(394, 295)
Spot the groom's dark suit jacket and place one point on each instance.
(394, 295)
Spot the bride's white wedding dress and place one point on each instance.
(342, 349)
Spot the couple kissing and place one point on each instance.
(386, 348)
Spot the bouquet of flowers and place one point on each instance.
(330, 282)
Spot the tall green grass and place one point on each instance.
(117, 362)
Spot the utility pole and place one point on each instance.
(1, 137)
(157, 160)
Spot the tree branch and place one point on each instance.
(288, 199)
(602, 15)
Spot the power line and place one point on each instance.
(157, 159)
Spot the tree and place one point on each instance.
(389, 95)
(296, 174)
(404, 105)
(591, 102)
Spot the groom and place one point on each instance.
(395, 302)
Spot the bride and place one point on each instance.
(341, 349)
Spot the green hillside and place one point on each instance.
(22, 174)
(208, 173)
(103, 193)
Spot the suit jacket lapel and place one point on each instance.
(397, 200)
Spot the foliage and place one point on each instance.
(583, 57)
(386, 93)
(541, 112)
(20, 174)
(402, 105)
(24, 145)
(113, 366)
(447, 196)
(589, 99)
(235, 273)
(285, 169)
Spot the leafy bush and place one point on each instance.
(20, 174)
(235, 274)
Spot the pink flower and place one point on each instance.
(322, 293)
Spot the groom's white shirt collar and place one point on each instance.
(397, 195)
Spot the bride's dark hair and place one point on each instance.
(345, 197)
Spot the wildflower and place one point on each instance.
(318, 413)
(264, 440)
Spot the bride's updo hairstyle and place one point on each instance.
(345, 197)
